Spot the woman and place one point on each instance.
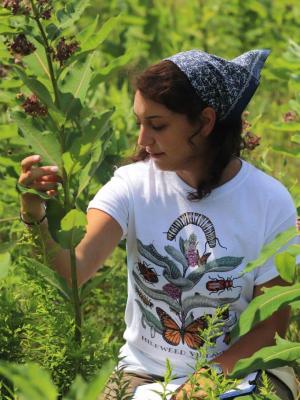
(193, 213)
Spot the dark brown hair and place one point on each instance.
(166, 84)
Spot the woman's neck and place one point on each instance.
(229, 172)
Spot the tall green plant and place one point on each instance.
(54, 72)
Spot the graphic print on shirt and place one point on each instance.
(173, 278)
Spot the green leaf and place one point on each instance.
(97, 155)
(8, 131)
(294, 153)
(23, 189)
(287, 126)
(72, 229)
(37, 88)
(263, 306)
(269, 357)
(7, 29)
(71, 12)
(271, 248)
(116, 63)
(295, 139)
(5, 263)
(74, 86)
(87, 32)
(286, 266)
(95, 40)
(91, 391)
(37, 61)
(32, 381)
(43, 143)
(55, 213)
(51, 277)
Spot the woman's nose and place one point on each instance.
(145, 137)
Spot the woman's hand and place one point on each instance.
(44, 179)
(196, 387)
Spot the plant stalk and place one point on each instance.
(76, 300)
(48, 54)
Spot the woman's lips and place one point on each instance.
(156, 155)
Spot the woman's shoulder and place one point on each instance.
(266, 185)
(134, 170)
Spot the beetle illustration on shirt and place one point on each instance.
(148, 273)
(220, 284)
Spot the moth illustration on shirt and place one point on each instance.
(170, 281)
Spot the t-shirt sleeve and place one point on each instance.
(113, 198)
(269, 271)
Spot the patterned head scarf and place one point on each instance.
(226, 86)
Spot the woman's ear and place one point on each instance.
(208, 119)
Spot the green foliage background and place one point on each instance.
(35, 321)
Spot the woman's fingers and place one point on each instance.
(28, 162)
(40, 178)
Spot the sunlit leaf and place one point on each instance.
(43, 143)
(51, 277)
(37, 88)
(271, 248)
(91, 391)
(263, 306)
(72, 229)
(32, 381)
(71, 12)
(95, 40)
(286, 266)
(269, 357)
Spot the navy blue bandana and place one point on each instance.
(226, 86)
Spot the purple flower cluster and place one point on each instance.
(34, 107)
(23, 7)
(44, 8)
(250, 140)
(17, 6)
(65, 50)
(172, 291)
(20, 45)
(290, 116)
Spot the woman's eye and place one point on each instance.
(158, 128)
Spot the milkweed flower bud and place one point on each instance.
(17, 6)
(34, 107)
(44, 8)
(21, 45)
(65, 50)
(250, 141)
(290, 116)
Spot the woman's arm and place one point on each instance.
(260, 336)
(103, 232)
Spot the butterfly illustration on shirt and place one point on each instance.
(188, 334)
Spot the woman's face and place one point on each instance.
(164, 134)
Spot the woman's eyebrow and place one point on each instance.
(151, 116)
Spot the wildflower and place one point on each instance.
(34, 107)
(21, 45)
(250, 141)
(172, 291)
(44, 8)
(290, 116)
(64, 50)
(17, 6)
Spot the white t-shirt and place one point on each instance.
(185, 258)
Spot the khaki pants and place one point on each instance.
(130, 381)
